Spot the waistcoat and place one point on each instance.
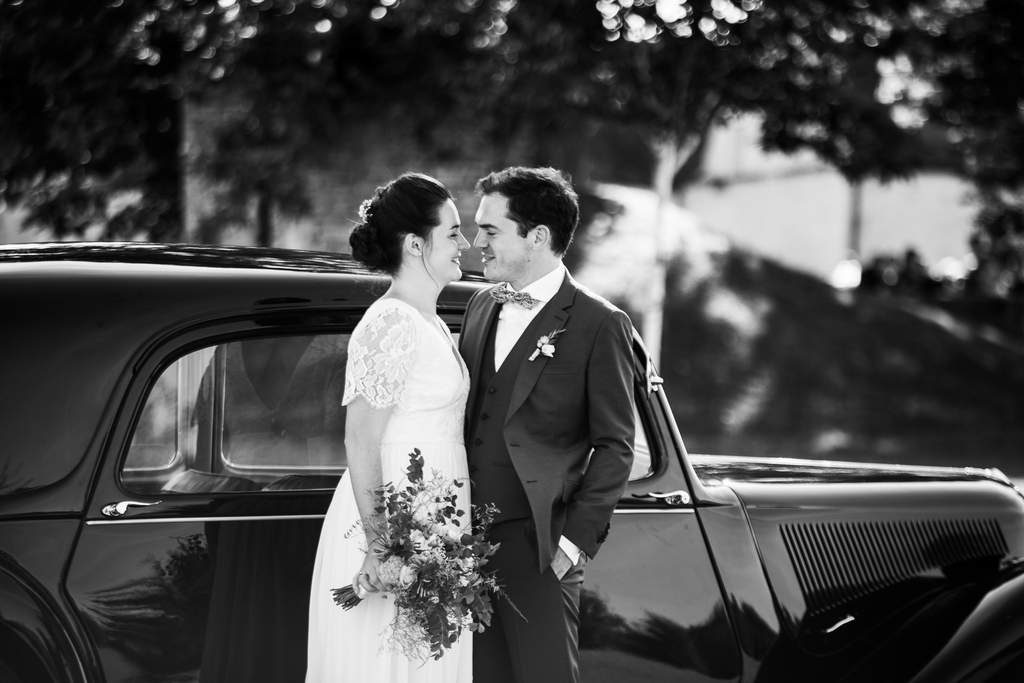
(492, 470)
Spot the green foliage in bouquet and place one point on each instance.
(430, 561)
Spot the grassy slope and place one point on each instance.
(762, 360)
(824, 378)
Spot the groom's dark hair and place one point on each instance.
(537, 196)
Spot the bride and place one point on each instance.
(405, 388)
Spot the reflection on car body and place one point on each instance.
(173, 432)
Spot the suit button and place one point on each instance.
(483, 416)
(478, 441)
(472, 469)
(491, 390)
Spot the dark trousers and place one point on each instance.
(542, 644)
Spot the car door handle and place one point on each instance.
(679, 497)
(118, 509)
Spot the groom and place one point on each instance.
(549, 422)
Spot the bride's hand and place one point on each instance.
(368, 579)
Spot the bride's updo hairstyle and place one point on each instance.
(408, 204)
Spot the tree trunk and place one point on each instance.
(264, 219)
(853, 245)
(184, 234)
(670, 155)
(163, 184)
(163, 141)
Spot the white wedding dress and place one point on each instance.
(396, 358)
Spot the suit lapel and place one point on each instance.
(554, 317)
(474, 340)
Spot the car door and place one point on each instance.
(652, 607)
(195, 560)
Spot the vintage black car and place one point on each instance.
(171, 432)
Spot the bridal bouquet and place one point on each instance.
(432, 565)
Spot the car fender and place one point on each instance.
(38, 636)
(33, 646)
(990, 639)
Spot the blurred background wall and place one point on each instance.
(800, 211)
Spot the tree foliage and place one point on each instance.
(92, 131)
(308, 72)
(91, 121)
(674, 69)
(278, 100)
(963, 67)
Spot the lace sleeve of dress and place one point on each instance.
(379, 358)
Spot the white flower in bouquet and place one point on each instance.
(419, 540)
(391, 570)
(407, 576)
(436, 540)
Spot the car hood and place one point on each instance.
(721, 469)
(845, 545)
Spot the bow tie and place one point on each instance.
(504, 295)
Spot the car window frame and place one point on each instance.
(655, 446)
(214, 459)
(162, 353)
(655, 417)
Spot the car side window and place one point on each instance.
(247, 415)
(642, 462)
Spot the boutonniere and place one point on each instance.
(546, 345)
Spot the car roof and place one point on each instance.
(201, 255)
(79, 318)
(226, 269)
(187, 254)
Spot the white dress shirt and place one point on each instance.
(512, 322)
(514, 319)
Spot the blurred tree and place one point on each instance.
(91, 121)
(92, 131)
(675, 68)
(312, 69)
(963, 68)
(277, 104)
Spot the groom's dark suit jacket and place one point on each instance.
(569, 424)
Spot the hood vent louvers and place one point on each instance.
(842, 561)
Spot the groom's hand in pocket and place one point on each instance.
(563, 563)
(567, 556)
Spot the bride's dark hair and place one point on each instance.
(408, 204)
